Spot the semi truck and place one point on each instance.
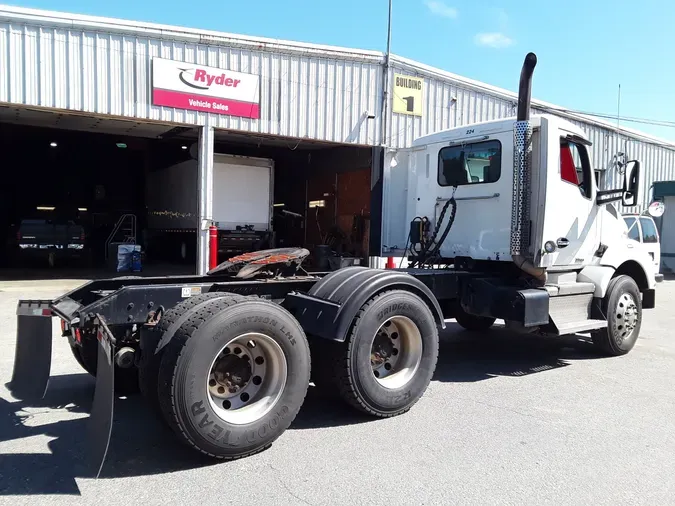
(496, 220)
(243, 190)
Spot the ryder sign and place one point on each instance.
(205, 89)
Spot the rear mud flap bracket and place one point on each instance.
(33, 352)
(101, 417)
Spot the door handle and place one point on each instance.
(562, 242)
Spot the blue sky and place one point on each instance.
(585, 48)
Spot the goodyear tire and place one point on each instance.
(234, 376)
(622, 306)
(149, 367)
(385, 365)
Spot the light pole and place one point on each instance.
(385, 88)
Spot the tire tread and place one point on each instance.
(147, 375)
(340, 359)
(602, 339)
(168, 373)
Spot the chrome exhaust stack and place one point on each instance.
(522, 174)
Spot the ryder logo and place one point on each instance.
(202, 76)
(182, 85)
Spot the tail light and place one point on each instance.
(18, 236)
(82, 236)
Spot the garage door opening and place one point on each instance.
(320, 196)
(71, 195)
(277, 192)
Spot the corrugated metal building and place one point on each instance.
(103, 68)
(97, 66)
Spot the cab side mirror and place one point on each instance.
(631, 182)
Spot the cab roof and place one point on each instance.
(473, 130)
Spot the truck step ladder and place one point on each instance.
(570, 306)
(123, 232)
(581, 326)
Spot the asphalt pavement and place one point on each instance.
(506, 420)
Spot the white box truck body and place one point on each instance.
(242, 194)
(242, 203)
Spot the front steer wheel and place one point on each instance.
(234, 376)
(385, 365)
(622, 306)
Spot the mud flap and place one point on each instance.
(33, 353)
(101, 417)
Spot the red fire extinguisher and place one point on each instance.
(213, 247)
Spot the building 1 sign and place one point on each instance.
(206, 89)
(407, 96)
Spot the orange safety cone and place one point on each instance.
(390, 263)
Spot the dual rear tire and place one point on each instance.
(236, 370)
(233, 376)
(388, 359)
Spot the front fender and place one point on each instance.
(330, 306)
(630, 251)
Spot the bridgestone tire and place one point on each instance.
(185, 366)
(149, 369)
(346, 367)
(473, 322)
(610, 340)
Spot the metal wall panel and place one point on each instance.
(304, 93)
(440, 111)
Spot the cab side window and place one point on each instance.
(575, 167)
(633, 229)
(467, 164)
(649, 233)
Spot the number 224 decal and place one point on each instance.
(469, 131)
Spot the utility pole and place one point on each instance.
(618, 107)
(385, 89)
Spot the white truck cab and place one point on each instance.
(574, 227)
(521, 190)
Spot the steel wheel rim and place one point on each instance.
(626, 320)
(396, 352)
(246, 378)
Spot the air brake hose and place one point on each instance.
(453, 213)
(424, 255)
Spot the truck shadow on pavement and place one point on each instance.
(143, 445)
(467, 356)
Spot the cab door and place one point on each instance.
(570, 222)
